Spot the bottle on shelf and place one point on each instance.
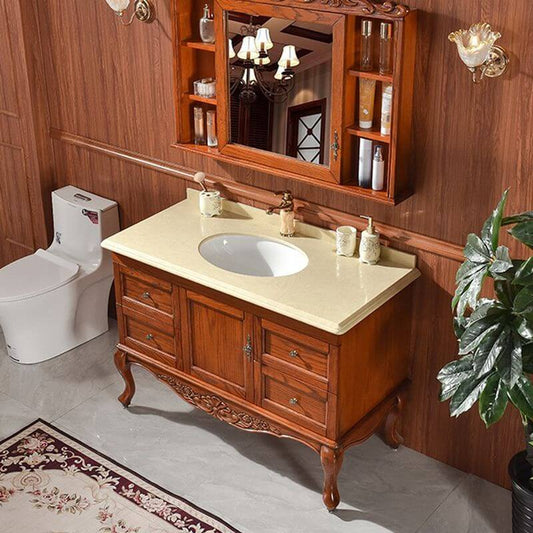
(367, 95)
(378, 169)
(207, 26)
(211, 129)
(386, 109)
(385, 48)
(365, 163)
(366, 45)
(199, 130)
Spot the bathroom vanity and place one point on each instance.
(320, 356)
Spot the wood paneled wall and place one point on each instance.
(112, 119)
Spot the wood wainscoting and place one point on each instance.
(111, 107)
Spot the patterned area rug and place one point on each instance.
(52, 483)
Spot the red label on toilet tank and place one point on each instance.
(91, 215)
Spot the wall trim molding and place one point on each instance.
(310, 212)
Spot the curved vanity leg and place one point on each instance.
(389, 430)
(331, 459)
(124, 367)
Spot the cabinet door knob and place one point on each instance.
(146, 295)
(149, 337)
(293, 401)
(293, 353)
(248, 348)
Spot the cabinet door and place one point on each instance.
(218, 344)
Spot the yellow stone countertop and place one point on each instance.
(332, 293)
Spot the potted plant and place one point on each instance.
(496, 343)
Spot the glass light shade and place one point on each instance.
(262, 61)
(118, 5)
(289, 58)
(263, 40)
(248, 49)
(231, 50)
(248, 76)
(279, 73)
(474, 45)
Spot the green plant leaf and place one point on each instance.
(459, 326)
(524, 274)
(524, 328)
(524, 233)
(466, 395)
(467, 295)
(488, 352)
(476, 250)
(505, 292)
(493, 400)
(523, 302)
(522, 396)
(515, 219)
(502, 264)
(477, 330)
(509, 363)
(491, 229)
(452, 375)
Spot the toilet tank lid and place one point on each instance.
(84, 199)
(35, 274)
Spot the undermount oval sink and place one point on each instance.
(253, 255)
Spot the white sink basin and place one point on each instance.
(251, 255)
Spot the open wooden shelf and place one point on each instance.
(199, 45)
(373, 134)
(201, 99)
(371, 75)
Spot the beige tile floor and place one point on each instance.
(258, 483)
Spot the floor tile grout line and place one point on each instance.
(465, 478)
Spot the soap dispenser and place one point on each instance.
(369, 248)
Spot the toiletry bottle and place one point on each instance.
(369, 248)
(386, 109)
(207, 26)
(378, 170)
(366, 45)
(199, 130)
(365, 163)
(367, 95)
(211, 128)
(385, 48)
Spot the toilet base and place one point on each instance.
(48, 325)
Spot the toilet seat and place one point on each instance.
(34, 275)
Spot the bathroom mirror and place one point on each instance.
(280, 85)
(278, 103)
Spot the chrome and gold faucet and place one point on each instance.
(286, 211)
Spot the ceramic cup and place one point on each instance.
(210, 203)
(346, 237)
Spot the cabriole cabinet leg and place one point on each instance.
(390, 428)
(331, 459)
(124, 367)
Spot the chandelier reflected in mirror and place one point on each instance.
(248, 72)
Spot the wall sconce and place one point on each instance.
(479, 53)
(143, 10)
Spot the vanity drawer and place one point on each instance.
(294, 348)
(140, 289)
(294, 400)
(154, 338)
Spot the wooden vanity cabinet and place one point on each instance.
(261, 371)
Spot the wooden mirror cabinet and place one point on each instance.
(337, 133)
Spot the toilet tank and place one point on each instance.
(82, 220)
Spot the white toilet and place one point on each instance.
(57, 299)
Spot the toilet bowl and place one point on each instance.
(57, 299)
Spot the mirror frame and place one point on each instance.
(288, 166)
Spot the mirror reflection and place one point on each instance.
(280, 85)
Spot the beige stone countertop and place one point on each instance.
(332, 293)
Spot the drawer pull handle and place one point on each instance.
(149, 337)
(293, 401)
(248, 348)
(293, 353)
(146, 295)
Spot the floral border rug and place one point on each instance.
(52, 483)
